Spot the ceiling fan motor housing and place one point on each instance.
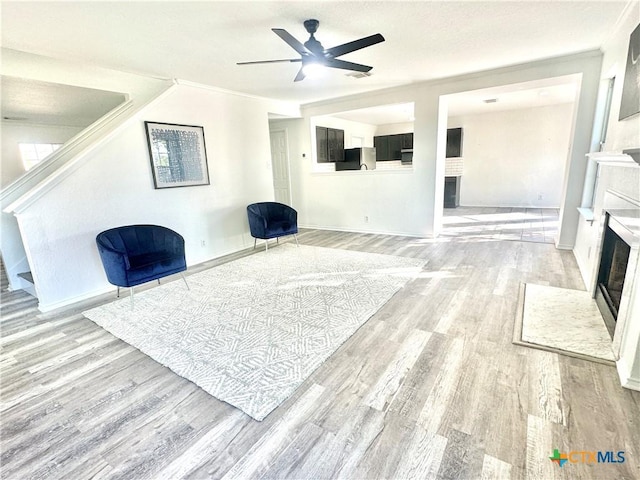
(311, 26)
(312, 44)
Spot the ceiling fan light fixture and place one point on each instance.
(313, 69)
(314, 56)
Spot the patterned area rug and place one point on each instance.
(249, 332)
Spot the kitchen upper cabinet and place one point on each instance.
(395, 145)
(407, 140)
(336, 144)
(329, 144)
(321, 144)
(388, 147)
(454, 142)
(381, 144)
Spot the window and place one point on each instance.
(34, 153)
(591, 177)
(607, 111)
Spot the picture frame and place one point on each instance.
(178, 155)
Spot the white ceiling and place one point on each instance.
(202, 41)
(551, 91)
(46, 103)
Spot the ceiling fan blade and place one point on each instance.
(335, 63)
(355, 45)
(292, 41)
(300, 76)
(291, 60)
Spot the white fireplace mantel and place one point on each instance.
(612, 187)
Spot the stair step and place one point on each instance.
(27, 276)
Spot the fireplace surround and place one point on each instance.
(619, 228)
(614, 259)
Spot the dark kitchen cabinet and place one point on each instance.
(322, 145)
(381, 144)
(388, 147)
(451, 192)
(329, 144)
(454, 142)
(407, 140)
(395, 145)
(336, 144)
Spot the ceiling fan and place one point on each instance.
(312, 51)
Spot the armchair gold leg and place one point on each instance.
(117, 292)
(296, 237)
(254, 243)
(266, 245)
(185, 280)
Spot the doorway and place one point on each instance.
(280, 166)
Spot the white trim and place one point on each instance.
(352, 230)
(587, 214)
(75, 160)
(54, 160)
(48, 307)
(626, 380)
(211, 88)
(613, 159)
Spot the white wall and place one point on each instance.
(626, 133)
(513, 157)
(412, 200)
(139, 91)
(14, 133)
(112, 185)
(621, 135)
(394, 128)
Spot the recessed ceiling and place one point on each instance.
(30, 101)
(202, 41)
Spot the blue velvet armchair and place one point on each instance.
(272, 220)
(136, 254)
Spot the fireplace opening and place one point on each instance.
(611, 274)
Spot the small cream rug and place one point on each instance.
(249, 332)
(562, 320)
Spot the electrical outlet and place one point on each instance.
(366, 219)
(540, 196)
(203, 243)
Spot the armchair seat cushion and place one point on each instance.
(279, 227)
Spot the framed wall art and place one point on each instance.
(178, 155)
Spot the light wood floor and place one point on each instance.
(430, 387)
(538, 225)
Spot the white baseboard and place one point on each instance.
(626, 380)
(376, 232)
(48, 307)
